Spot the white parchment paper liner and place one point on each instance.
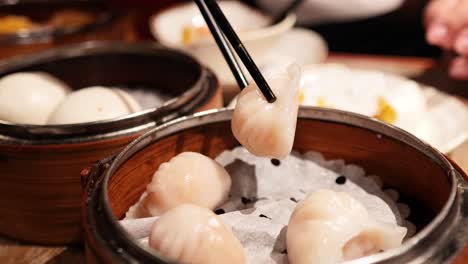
(264, 194)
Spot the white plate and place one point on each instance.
(323, 11)
(168, 25)
(435, 117)
(252, 26)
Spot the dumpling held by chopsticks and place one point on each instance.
(267, 129)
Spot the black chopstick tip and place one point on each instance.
(267, 92)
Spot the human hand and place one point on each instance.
(447, 27)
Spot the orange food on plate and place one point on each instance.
(386, 112)
(193, 33)
(12, 23)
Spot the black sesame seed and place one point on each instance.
(341, 180)
(293, 199)
(275, 162)
(264, 216)
(220, 211)
(284, 251)
(246, 200)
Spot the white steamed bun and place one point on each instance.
(93, 104)
(30, 97)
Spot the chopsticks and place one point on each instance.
(286, 11)
(223, 45)
(223, 32)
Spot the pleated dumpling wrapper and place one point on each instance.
(93, 104)
(330, 227)
(30, 97)
(195, 235)
(189, 177)
(268, 129)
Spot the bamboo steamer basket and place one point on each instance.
(433, 186)
(106, 24)
(40, 165)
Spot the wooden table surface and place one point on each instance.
(16, 252)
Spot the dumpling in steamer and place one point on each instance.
(193, 234)
(187, 178)
(93, 104)
(267, 129)
(330, 227)
(30, 97)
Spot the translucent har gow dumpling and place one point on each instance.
(187, 178)
(30, 97)
(329, 227)
(267, 129)
(93, 104)
(193, 234)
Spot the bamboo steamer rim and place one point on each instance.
(450, 208)
(107, 16)
(199, 92)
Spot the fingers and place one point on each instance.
(439, 34)
(461, 42)
(447, 27)
(459, 68)
(439, 30)
(438, 10)
(457, 17)
(445, 19)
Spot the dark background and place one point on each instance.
(400, 32)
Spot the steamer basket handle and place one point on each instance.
(462, 257)
(463, 190)
(92, 174)
(462, 185)
(462, 178)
